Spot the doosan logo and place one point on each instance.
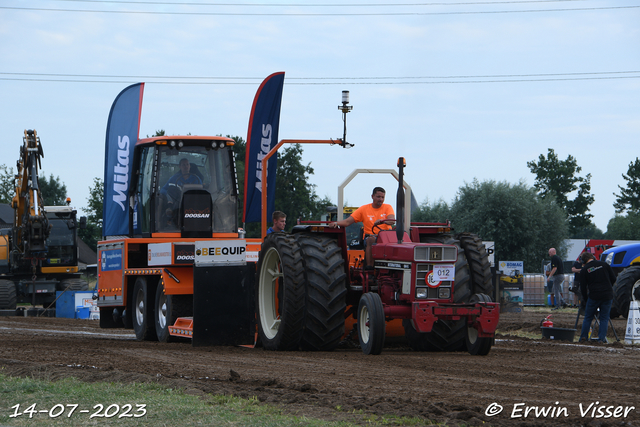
(197, 215)
(185, 258)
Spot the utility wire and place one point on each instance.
(320, 13)
(142, 77)
(164, 3)
(381, 83)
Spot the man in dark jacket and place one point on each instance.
(596, 279)
(557, 275)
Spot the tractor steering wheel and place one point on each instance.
(182, 180)
(378, 225)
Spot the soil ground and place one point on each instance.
(457, 388)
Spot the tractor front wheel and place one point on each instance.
(478, 346)
(371, 323)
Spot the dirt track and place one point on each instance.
(453, 387)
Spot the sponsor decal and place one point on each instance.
(183, 253)
(159, 254)
(207, 252)
(111, 260)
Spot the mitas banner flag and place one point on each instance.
(123, 128)
(261, 138)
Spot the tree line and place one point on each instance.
(523, 221)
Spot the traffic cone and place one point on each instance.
(633, 324)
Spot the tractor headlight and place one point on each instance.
(421, 293)
(609, 258)
(444, 293)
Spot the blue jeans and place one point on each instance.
(589, 313)
(558, 279)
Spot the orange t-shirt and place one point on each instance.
(367, 214)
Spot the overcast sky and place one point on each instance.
(462, 90)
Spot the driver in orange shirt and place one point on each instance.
(376, 214)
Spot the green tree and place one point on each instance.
(7, 184)
(93, 233)
(629, 197)
(438, 211)
(624, 227)
(522, 224)
(556, 179)
(54, 192)
(591, 231)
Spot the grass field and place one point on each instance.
(29, 402)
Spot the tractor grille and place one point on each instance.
(435, 253)
(432, 293)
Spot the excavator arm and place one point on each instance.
(30, 226)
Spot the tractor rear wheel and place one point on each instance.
(479, 264)
(417, 341)
(449, 335)
(143, 311)
(476, 345)
(623, 287)
(8, 297)
(167, 309)
(280, 297)
(326, 291)
(371, 323)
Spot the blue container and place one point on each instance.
(549, 300)
(83, 312)
(68, 301)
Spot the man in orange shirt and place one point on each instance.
(376, 214)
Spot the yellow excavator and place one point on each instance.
(39, 252)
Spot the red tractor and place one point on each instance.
(435, 283)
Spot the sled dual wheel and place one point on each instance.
(142, 315)
(371, 323)
(8, 296)
(167, 310)
(280, 297)
(478, 346)
(623, 289)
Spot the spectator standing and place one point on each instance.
(596, 279)
(557, 273)
(577, 295)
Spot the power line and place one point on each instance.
(320, 83)
(321, 13)
(142, 77)
(165, 3)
